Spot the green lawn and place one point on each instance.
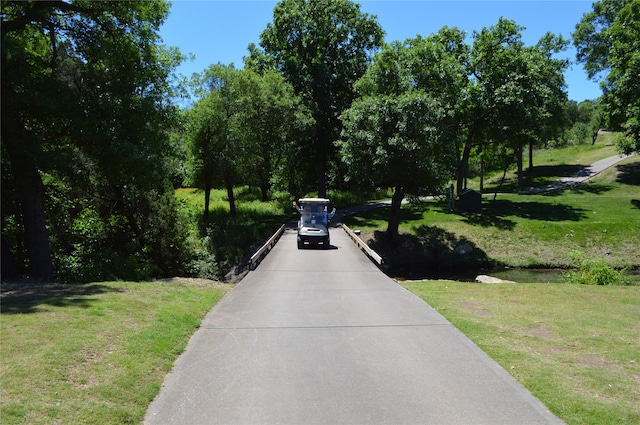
(598, 219)
(575, 347)
(97, 353)
(549, 164)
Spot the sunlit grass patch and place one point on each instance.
(97, 353)
(598, 219)
(574, 347)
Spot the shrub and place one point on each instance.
(624, 144)
(596, 272)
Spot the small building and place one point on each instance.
(471, 201)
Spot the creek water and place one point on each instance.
(519, 275)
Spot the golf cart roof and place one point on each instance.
(313, 201)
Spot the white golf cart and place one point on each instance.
(314, 219)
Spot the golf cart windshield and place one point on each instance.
(314, 211)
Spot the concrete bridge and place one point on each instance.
(323, 337)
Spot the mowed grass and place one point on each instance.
(96, 353)
(549, 165)
(598, 219)
(575, 347)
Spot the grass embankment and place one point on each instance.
(575, 347)
(549, 165)
(222, 242)
(97, 353)
(598, 219)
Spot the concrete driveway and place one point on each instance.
(323, 337)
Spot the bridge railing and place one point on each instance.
(257, 257)
(363, 246)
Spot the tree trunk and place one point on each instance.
(263, 182)
(321, 159)
(531, 155)
(31, 191)
(28, 181)
(322, 183)
(264, 192)
(394, 218)
(228, 181)
(504, 175)
(482, 173)
(9, 269)
(519, 160)
(264, 172)
(463, 166)
(207, 200)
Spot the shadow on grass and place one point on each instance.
(496, 213)
(629, 174)
(431, 249)
(381, 213)
(27, 298)
(579, 188)
(532, 210)
(533, 177)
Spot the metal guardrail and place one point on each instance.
(363, 246)
(255, 258)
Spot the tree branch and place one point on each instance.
(39, 11)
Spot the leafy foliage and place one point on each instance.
(596, 272)
(241, 130)
(85, 112)
(516, 94)
(399, 133)
(608, 43)
(321, 47)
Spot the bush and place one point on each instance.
(624, 144)
(141, 236)
(596, 272)
(579, 133)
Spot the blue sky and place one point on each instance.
(219, 31)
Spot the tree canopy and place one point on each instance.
(240, 129)
(399, 133)
(428, 102)
(515, 92)
(608, 43)
(84, 115)
(322, 47)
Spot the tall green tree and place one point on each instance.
(216, 153)
(586, 120)
(608, 43)
(239, 131)
(400, 134)
(274, 120)
(322, 47)
(84, 112)
(204, 125)
(516, 91)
